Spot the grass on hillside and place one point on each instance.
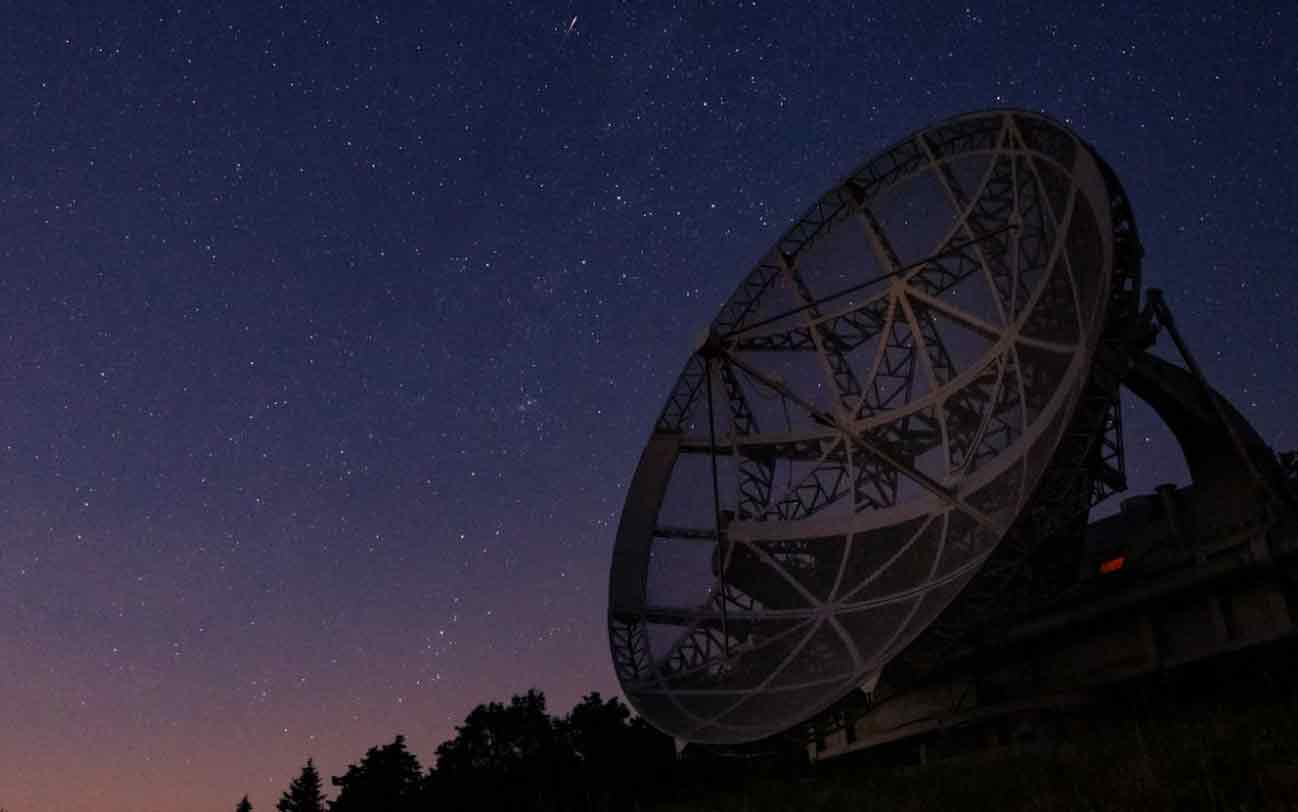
(1221, 740)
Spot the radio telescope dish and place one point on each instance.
(869, 413)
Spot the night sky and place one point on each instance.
(331, 334)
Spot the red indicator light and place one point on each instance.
(1113, 565)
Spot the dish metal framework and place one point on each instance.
(901, 383)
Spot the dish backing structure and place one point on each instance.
(911, 395)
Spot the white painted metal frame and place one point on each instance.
(916, 401)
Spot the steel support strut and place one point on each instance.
(1278, 496)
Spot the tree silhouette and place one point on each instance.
(304, 793)
(593, 725)
(617, 757)
(388, 779)
(515, 756)
(498, 739)
(506, 755)
(243, 806)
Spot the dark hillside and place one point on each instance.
(1223, 736)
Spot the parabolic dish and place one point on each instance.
(869, 413)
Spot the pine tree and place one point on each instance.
(244, 805)
(304, 793)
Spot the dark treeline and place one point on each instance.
(513, 756)
(1220, 736)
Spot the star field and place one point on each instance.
(331, 334)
